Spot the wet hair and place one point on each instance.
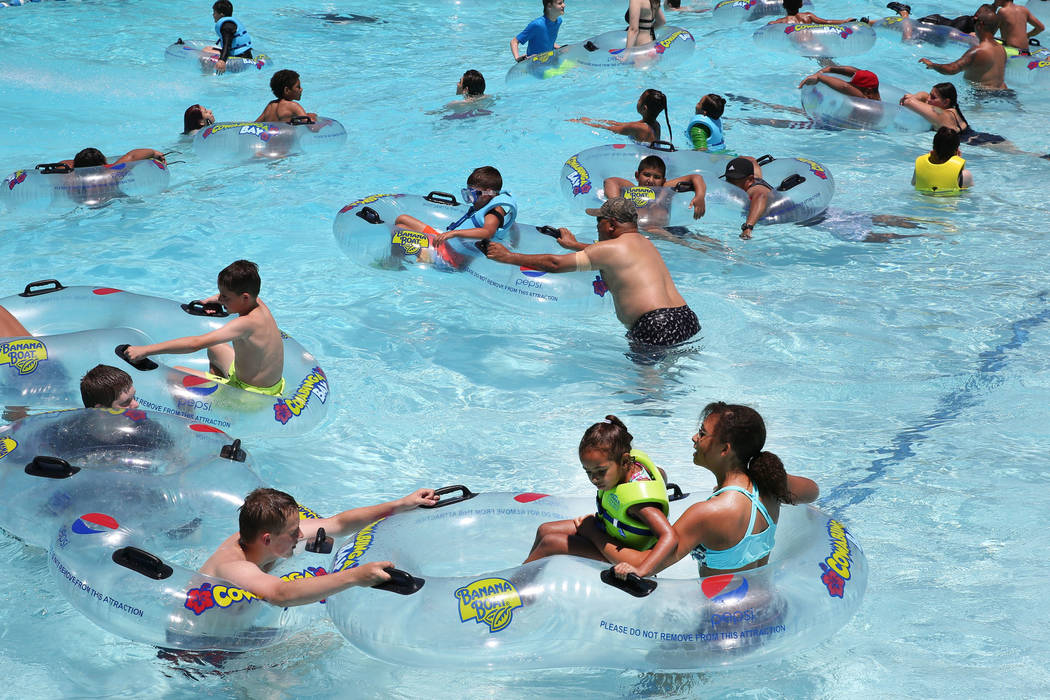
(89, 157)
(223, 7)
(674, 4)
(240, 277)
(193, 119)
(985, 18)
(653, 102)
(473, 83)
(264, 510)
(102, 385)
(486, 177)
(282, 80)
(713, 105)
(743, 429)
(946, 142)
(948, 92)
(548, 2)
(610, 436)
(792, 6)
(653, 162)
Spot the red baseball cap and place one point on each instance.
(864, 80)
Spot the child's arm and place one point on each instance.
(239, 327)
(614, 186)
(487, 230)
(698, 202)
(665, 546)
(514, 50)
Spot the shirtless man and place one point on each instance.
(984, 64)
(286, 88)
(646, 300)
(270, 528)
(862, 83)
(794, 16)
(745, 172)
(1013, 23)
(255, 360)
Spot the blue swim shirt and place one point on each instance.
(540, 35)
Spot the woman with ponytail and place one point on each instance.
(733, 529)
(647, 129)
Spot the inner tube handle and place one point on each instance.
(52, 286)
(233, 452)
(549, 231)
(199, 308)
(634, 584)
(442, 198)
(662, 146)
(400, 582)
(370, 215)
(676, 492)
(142, 562)
(321, 544)
(301, 119)
(50, 468)
(52, 168)
(763, 160)
(144, 365)
(467, 495)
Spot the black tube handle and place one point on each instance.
(676, 492)
(549, 231)
(233, 452)
(370, 215)
(144, 365)
(201, 308)
(50, 468)
(662, 146)
(52, 286)
(52, 168)
(764, 160)
(321, 544)
(442, 198)
(634, 584)
(590, 46)
(142, 562)
(400, 582)
(467, 495)
(301, 120)
(684, 186)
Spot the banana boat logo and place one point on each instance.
(662, 46)
(578, 178)
(315, 383)
(842, 30)
(259, 129)
(350, 553)
(17, 178)
(836, 567)
(7, 446)
(25, 354)
(815, 168)
(366, 200)
(410, 241)
(640, 195)
(207, 596)
(489, 601)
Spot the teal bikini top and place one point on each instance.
(751, 548)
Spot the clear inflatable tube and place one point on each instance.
(828, 106)
(803, 188)
(249, 141)
(55, 185)
(817, 40)
(480, 609)
(607, 51)
(912, 31)
(747, 10)
(365, 231)
(55, 466)
(191, 54)
(75, 328)
(1029, 70)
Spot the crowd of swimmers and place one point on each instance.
(734, 528)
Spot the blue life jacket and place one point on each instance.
(241, 40)
(477, 217)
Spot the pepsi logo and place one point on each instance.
(94, 523)
(529, 272)
(721, 589)
(200, 386)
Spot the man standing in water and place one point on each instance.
(984, 64)
(646, 300)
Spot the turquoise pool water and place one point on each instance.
(908, 378)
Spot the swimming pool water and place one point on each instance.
(908, 378)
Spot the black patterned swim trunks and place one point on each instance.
(663, 327)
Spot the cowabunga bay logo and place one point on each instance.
(488, 601)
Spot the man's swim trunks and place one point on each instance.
(663, 327)
(275, 390)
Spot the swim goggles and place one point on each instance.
(471, 194)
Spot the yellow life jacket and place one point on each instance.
(938, 178)
(614, 503)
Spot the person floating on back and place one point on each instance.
(247, 352)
